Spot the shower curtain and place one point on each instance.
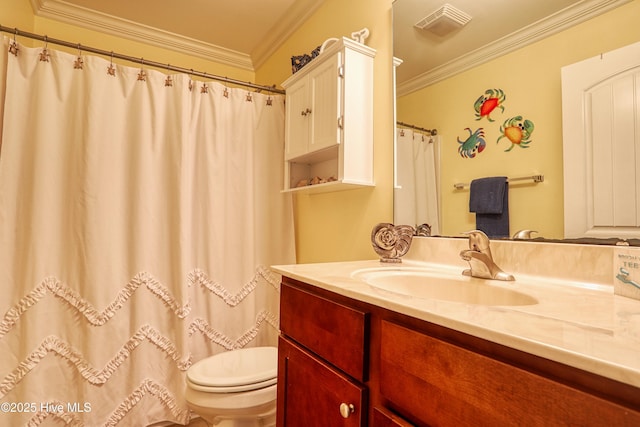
(139, 214)
(416, 196)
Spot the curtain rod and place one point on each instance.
(431, 132)
(142, 61)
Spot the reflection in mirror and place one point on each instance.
(415, 197)
(442, 77)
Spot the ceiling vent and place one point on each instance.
(444, 20)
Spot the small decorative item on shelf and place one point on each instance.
(391, 242)
(423, 230)
(299, 61)
(315, 180)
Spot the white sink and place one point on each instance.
(428, 283)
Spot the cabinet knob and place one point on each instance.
(305, 112)
(346, 409)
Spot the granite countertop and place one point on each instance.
(578, 324)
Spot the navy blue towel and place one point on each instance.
(489, 199)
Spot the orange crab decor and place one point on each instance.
(518, 131)
(487, 103)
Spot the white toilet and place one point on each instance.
(236, 388)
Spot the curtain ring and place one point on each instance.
(13, 45)
(44, 54)
(78, 64)
(191, 81)
(111, 70)
(168, 82)
(204, 88)
(142, 75)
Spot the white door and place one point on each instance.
(601, 140)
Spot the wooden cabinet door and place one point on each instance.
(438, 383)
(311, 393)
(332, 331)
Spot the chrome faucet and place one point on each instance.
(480, 259)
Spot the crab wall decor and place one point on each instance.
(473, 145)
(518, 131)
(491, 100)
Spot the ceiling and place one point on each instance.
(496, 28)
(244, 33)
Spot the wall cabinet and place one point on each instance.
(343, 362)
(329, 120)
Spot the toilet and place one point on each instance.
(236, 388)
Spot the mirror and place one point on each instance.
(447, 67)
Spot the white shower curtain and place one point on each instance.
(416, 198)
(139, 213)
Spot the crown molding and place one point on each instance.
(295, 16)
(553, 24)
(71, 14)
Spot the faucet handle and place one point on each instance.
(478, 240)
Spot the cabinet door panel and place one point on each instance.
(297, 126)
(439, 383)
(310, 392)
(326, 93)
(335, 332)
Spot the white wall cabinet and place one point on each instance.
(329, 120)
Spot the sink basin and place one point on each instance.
(433, 284)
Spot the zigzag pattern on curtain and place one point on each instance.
(99, 318)
(61, 348)
(99, 376)
(147, 387)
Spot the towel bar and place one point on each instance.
(534, 178)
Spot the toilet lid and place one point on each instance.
(248, 366)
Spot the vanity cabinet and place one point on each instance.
(400, 371)
(322, 362)
(454, 386)
(329, 120)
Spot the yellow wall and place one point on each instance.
(337, 226)
(19, 14)
(530, 77)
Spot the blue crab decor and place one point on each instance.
(518, 131)
(473, 145)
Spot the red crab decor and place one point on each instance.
(487, 103)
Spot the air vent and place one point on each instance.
(444, 20)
